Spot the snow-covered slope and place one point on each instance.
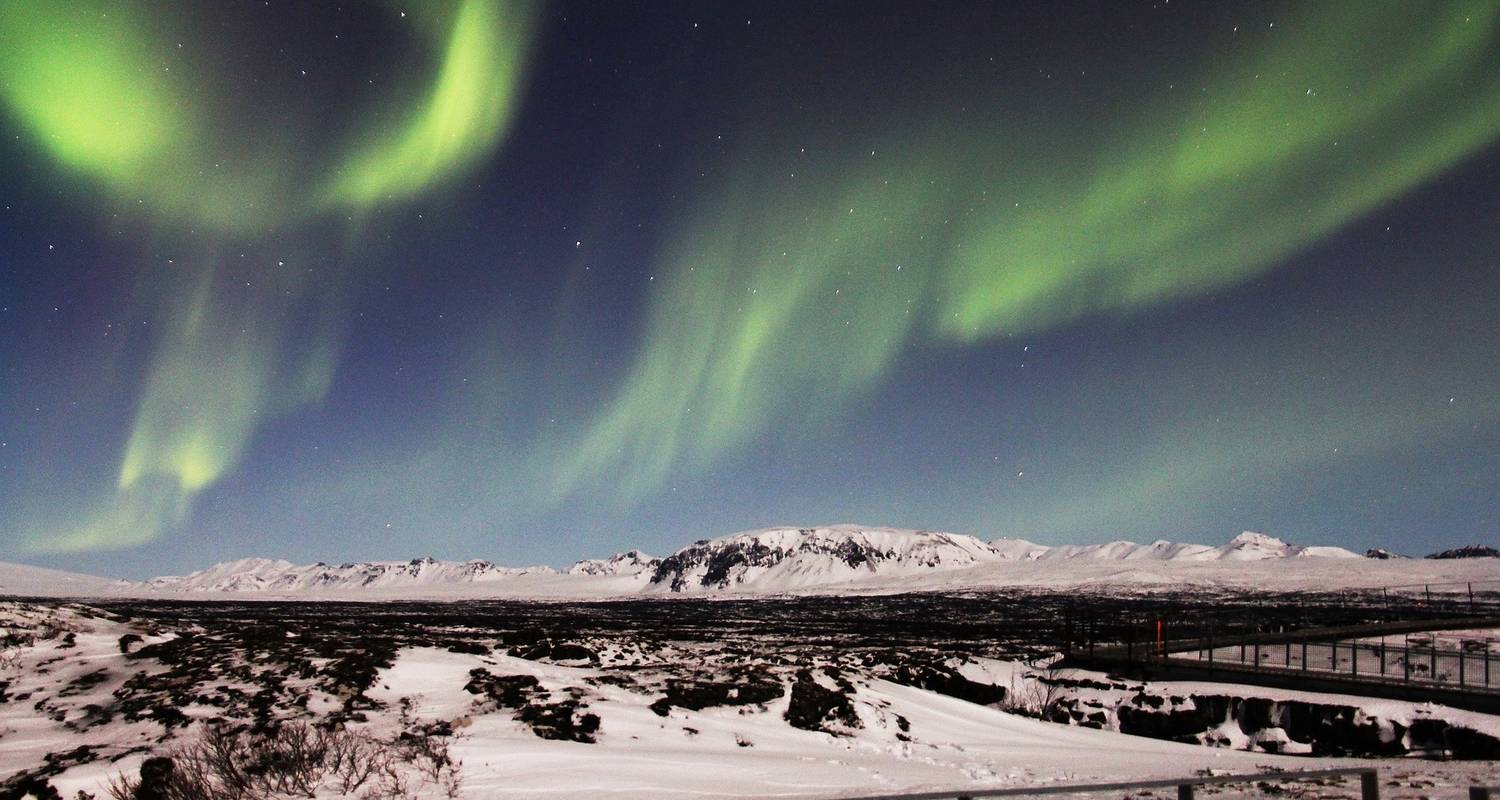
(1018, 549)
(20, 579)
(267, 575)
(1248, 546)
(1251, 546)
(632, 563)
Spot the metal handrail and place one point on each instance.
(1369, 786)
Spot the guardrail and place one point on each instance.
(1369, 786)
(1406, 660)
(1347, 652)
(1349, 660)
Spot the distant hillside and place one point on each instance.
(267, 575)
(632, 563)
(789, 559)
(1248, 546)
(767, 561)
(20, 579)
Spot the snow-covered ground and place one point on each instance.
(93, 693)
(739, 752)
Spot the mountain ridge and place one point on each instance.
(771, 560)
(280, 575)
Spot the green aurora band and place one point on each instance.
(782, 301)
(86, 80)
(795, 285)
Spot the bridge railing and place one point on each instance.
(1424, 659)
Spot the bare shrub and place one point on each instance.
(10, 658)
(1035, 694)
(295, 760)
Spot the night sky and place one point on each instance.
(536, 283)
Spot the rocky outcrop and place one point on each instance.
(815, 706)
(791, 558)
(1470, 551)
(1288, 726)
(632, 563)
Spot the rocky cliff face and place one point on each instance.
(778, 559)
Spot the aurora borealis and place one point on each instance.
(534, 282)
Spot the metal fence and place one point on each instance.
(1471, 664)
(1239, 618)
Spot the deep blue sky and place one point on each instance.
(1066, 272)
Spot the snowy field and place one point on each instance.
(819, 697)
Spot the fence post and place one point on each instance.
(1462, 657)
(1432, 660)
(1185, 791)
(1479, 793)
(1257, 655)
(1406, 661)
(1288, 654)
(1304, 655)
(1354, 658)
(1369, 785)
(1382, 655)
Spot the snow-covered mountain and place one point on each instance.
(632, 563)
(1248, 546)
(785, 559)
(267, 575)
(765, 561)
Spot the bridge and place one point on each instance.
(1402, 660)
